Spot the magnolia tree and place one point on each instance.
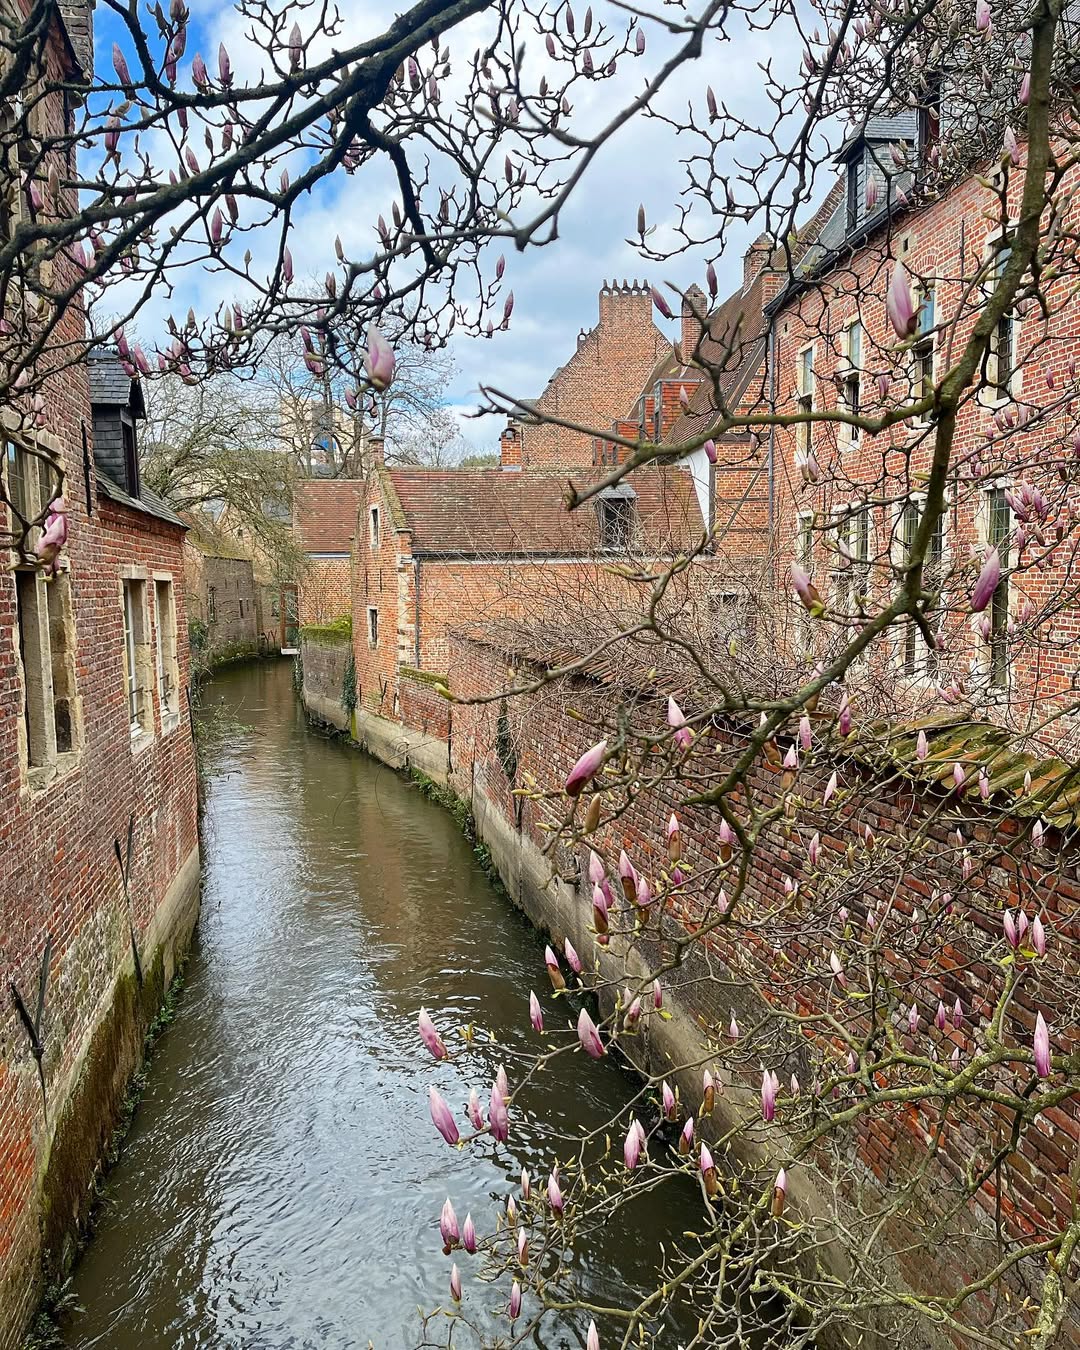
(864, 916)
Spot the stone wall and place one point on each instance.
(224, 605)
(325, 660)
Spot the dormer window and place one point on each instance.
(930, 117)
(853, 203)
(615, 509)
(131, 457)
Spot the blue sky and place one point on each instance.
(555, 287)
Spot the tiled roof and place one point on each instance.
(324, 513)
(478, 511)
(110, 384)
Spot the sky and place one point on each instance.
(555, 287)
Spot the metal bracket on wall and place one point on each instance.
(34, 1024)
(123, 861)
(86, 472)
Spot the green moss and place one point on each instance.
(336, 631)
(423, 676)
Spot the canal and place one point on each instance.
(282, 1182)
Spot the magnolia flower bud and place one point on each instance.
(686, 1138)
(589, 1036)
(442, 1117)
(430, 1036)
(1042, 1047)
(585, 769)
(899, 304)
(536, 1015)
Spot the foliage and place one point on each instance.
(335, 630)
(348, 684)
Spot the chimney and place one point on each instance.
(628, 303)
(695, 311)
(755, 259)
(376, 454)
(510, 447)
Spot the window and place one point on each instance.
(915, 657)
(998, 532)
(168, 670)
(922, 350)
(930, 116)
(852, 193)
(851, 386)
(373, 527)
(372, 626)
(734, 621)
(30, 484)
(240, 600)
(806, 398)
(136, 657)
(851, 565)
(1003, 340)
(46, 642)
(804, 556)
(131, 457)
(616, 521)
(211, 603)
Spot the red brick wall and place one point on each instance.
(956, 956)
(325, 590)
(600, 381)
(58, 873)
(944, 242)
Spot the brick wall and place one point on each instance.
(59, 876)
(325, 661)
(325, 590)
(952, 954)
(599, 382)
(232, 621)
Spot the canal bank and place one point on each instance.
(282, 1183)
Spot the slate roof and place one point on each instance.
(148, 502)
(740, 323)
(471, 512)
(110, 385)
(324, 513)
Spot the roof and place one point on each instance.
(482, 511)
(324, 512)
(148, 502)
(110, 384)
(737, 329)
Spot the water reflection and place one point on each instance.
(282, 1183)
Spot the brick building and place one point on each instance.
(836, 350)
(324, 522)
(598, 383)
(439, 549)
(95, 748)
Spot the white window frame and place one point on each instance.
(804, 397)
(846, 518)
(992, 394)
(137, 665)
(849, 372)
(374, 525)
(919, 293)
(922, 671)
(982, 528)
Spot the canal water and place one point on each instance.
(282, 1182)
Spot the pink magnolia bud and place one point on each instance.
(628, 877)
(596, 868)
(813, 851)
(585, 769)
(120, 65)
(705, 1159)
(515, 1301)
(643, 895)
(660, 303)
(1025, 88)
(987, 582)
(1038, 936)
(633, 1014)
(224, 66)
(796, 1090)
(1008, 924)
(843, 724)
(768, 1097)
(555, 975)
(677, 719)
(899, 304)
(830, 789)
(1027, 782)
(1037, 834)
(913, 1019)
(804, 732)
(710, 100)
(198, 71)
(442, 1117)
(475, 1115)
(982, 15)
(554, 1194)
(733, 1028)
(455, 1283)
(536, 1015)
(1042, 1047)
(379, 360)
(779, 1193)
(498, 1115)
(430, 1036)
(1010, 149)
(588, 1035)
(837, 968)
(286, 265)
(805, 588)
(959, 776)
(572, 958)
(526, 1184)
(791, 759)
(633, 1145)
(667, 1098)
(710, 450)
(448, 1227)
(687, 1137)
(639, 42)
(468, 1235)
(708, 1093)
(883, 387)
(939, 1016)
(958, 1015)
(657, 995)
(1021, 926)
(984, 784)
(600, 910)
(592, 1339)
(922, 748)
(522, 1247)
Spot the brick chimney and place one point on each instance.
(628, 303)
(376, 453)
(755, 259)
(510, 447)
(695, 311)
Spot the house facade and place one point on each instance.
(848, 502)
(324, 522)
(99, 884)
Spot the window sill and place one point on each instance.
(169, 722)
(141, 741)
(42, 777)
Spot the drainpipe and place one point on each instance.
(772, 428)
(416, 612)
